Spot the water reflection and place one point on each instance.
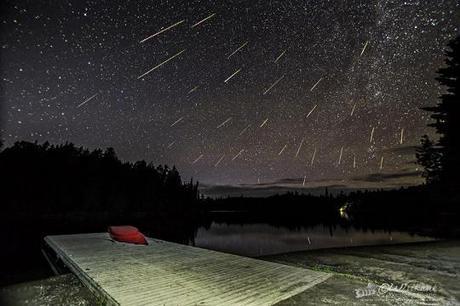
(264, 239)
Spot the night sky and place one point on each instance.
(245, 93)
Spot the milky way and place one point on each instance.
(231, 92)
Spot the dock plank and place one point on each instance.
(166, 273)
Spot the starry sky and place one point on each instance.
(234, 93)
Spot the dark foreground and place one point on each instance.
(410, 274)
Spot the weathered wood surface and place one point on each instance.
(165, 273)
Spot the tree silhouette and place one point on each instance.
(62, 179)
(428, 156)
(444, 166)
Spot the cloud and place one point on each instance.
(296, 181)
(384, 177)
(379, 180)
(277, 187)
(373, 181)
(405, 150)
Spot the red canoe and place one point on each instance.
(127, 233)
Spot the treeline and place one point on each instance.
(441, 158)
(291, 210)
(65, 179)
(425, 209)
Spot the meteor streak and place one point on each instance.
(161, 31)
(193, 89)
(87, 100)
(316, 84)
(282, 150)
(230, 77)
(364, 48)
(401, 138)
(273, 85)
(304, 179)
(313, 158)
(161, 64)
(340, 156)
(372, 135)
(203, 20)
(300, 146)
(353, 110)
(177, 121)
(381, 163)
(263, 123)
(239, 153)
(308, 115)
(196, 160)
(220, 159)
(238, 49)
(280, 56)
(244, 130)
(223, 123)
(354, 161)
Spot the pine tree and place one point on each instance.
(428, 156)
(446, 152)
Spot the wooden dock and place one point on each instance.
(165, 273)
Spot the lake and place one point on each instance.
(264, 239)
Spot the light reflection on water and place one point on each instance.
(263, 239)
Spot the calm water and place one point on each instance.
(264, 239)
